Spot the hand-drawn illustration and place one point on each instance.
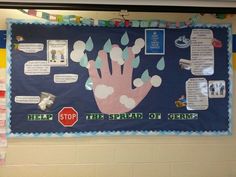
(57, 52)
(115, 86)
(182, 42)
(217, 89)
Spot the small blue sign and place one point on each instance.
(155, 41)
(234, 43)
(2, 39)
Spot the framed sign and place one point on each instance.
(71, 80)
(155, 41)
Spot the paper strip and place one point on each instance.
(234, 61)
(65, 78)
(30, 47)
(2, 102)
(39, 67)
(3, 130)
(197, 94)
(2, 86)
(2, 123)
(2, 157)
(2, 94)
(27, 99)
(202, 52)
(2, 74)
(3, 140)
(3, 115)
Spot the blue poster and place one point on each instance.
(3, 39)
(71, 80)
(155, 41)
(234, 43)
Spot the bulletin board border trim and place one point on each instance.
(116, 133)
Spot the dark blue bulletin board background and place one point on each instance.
(159, 99)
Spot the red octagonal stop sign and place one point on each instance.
(68, 116)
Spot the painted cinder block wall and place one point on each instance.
(123, 156)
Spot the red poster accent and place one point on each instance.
(68, 116)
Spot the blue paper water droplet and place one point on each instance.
(89, 84)
(84, 61)
(125, 53)
(161, 64)
(89, 44)
(135, 62)
(124, 39)
(145, 76)
(107, 46)
(98, 62)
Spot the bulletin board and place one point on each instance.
(72, 80)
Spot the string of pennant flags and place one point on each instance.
(74, 19)
(222, 16)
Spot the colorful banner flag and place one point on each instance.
(2, 49)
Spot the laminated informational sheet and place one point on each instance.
(72, 80)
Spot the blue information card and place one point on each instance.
(155, 41)
(2, 39)
(234, 43)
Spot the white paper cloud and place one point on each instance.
(103, 91)
(79, 45)
(156, 81)
(116, 55)
(136, 49)
(76, 55)
(138, 82)
(78, 51)
(127, 102)
(139, 43)
(120, 61)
